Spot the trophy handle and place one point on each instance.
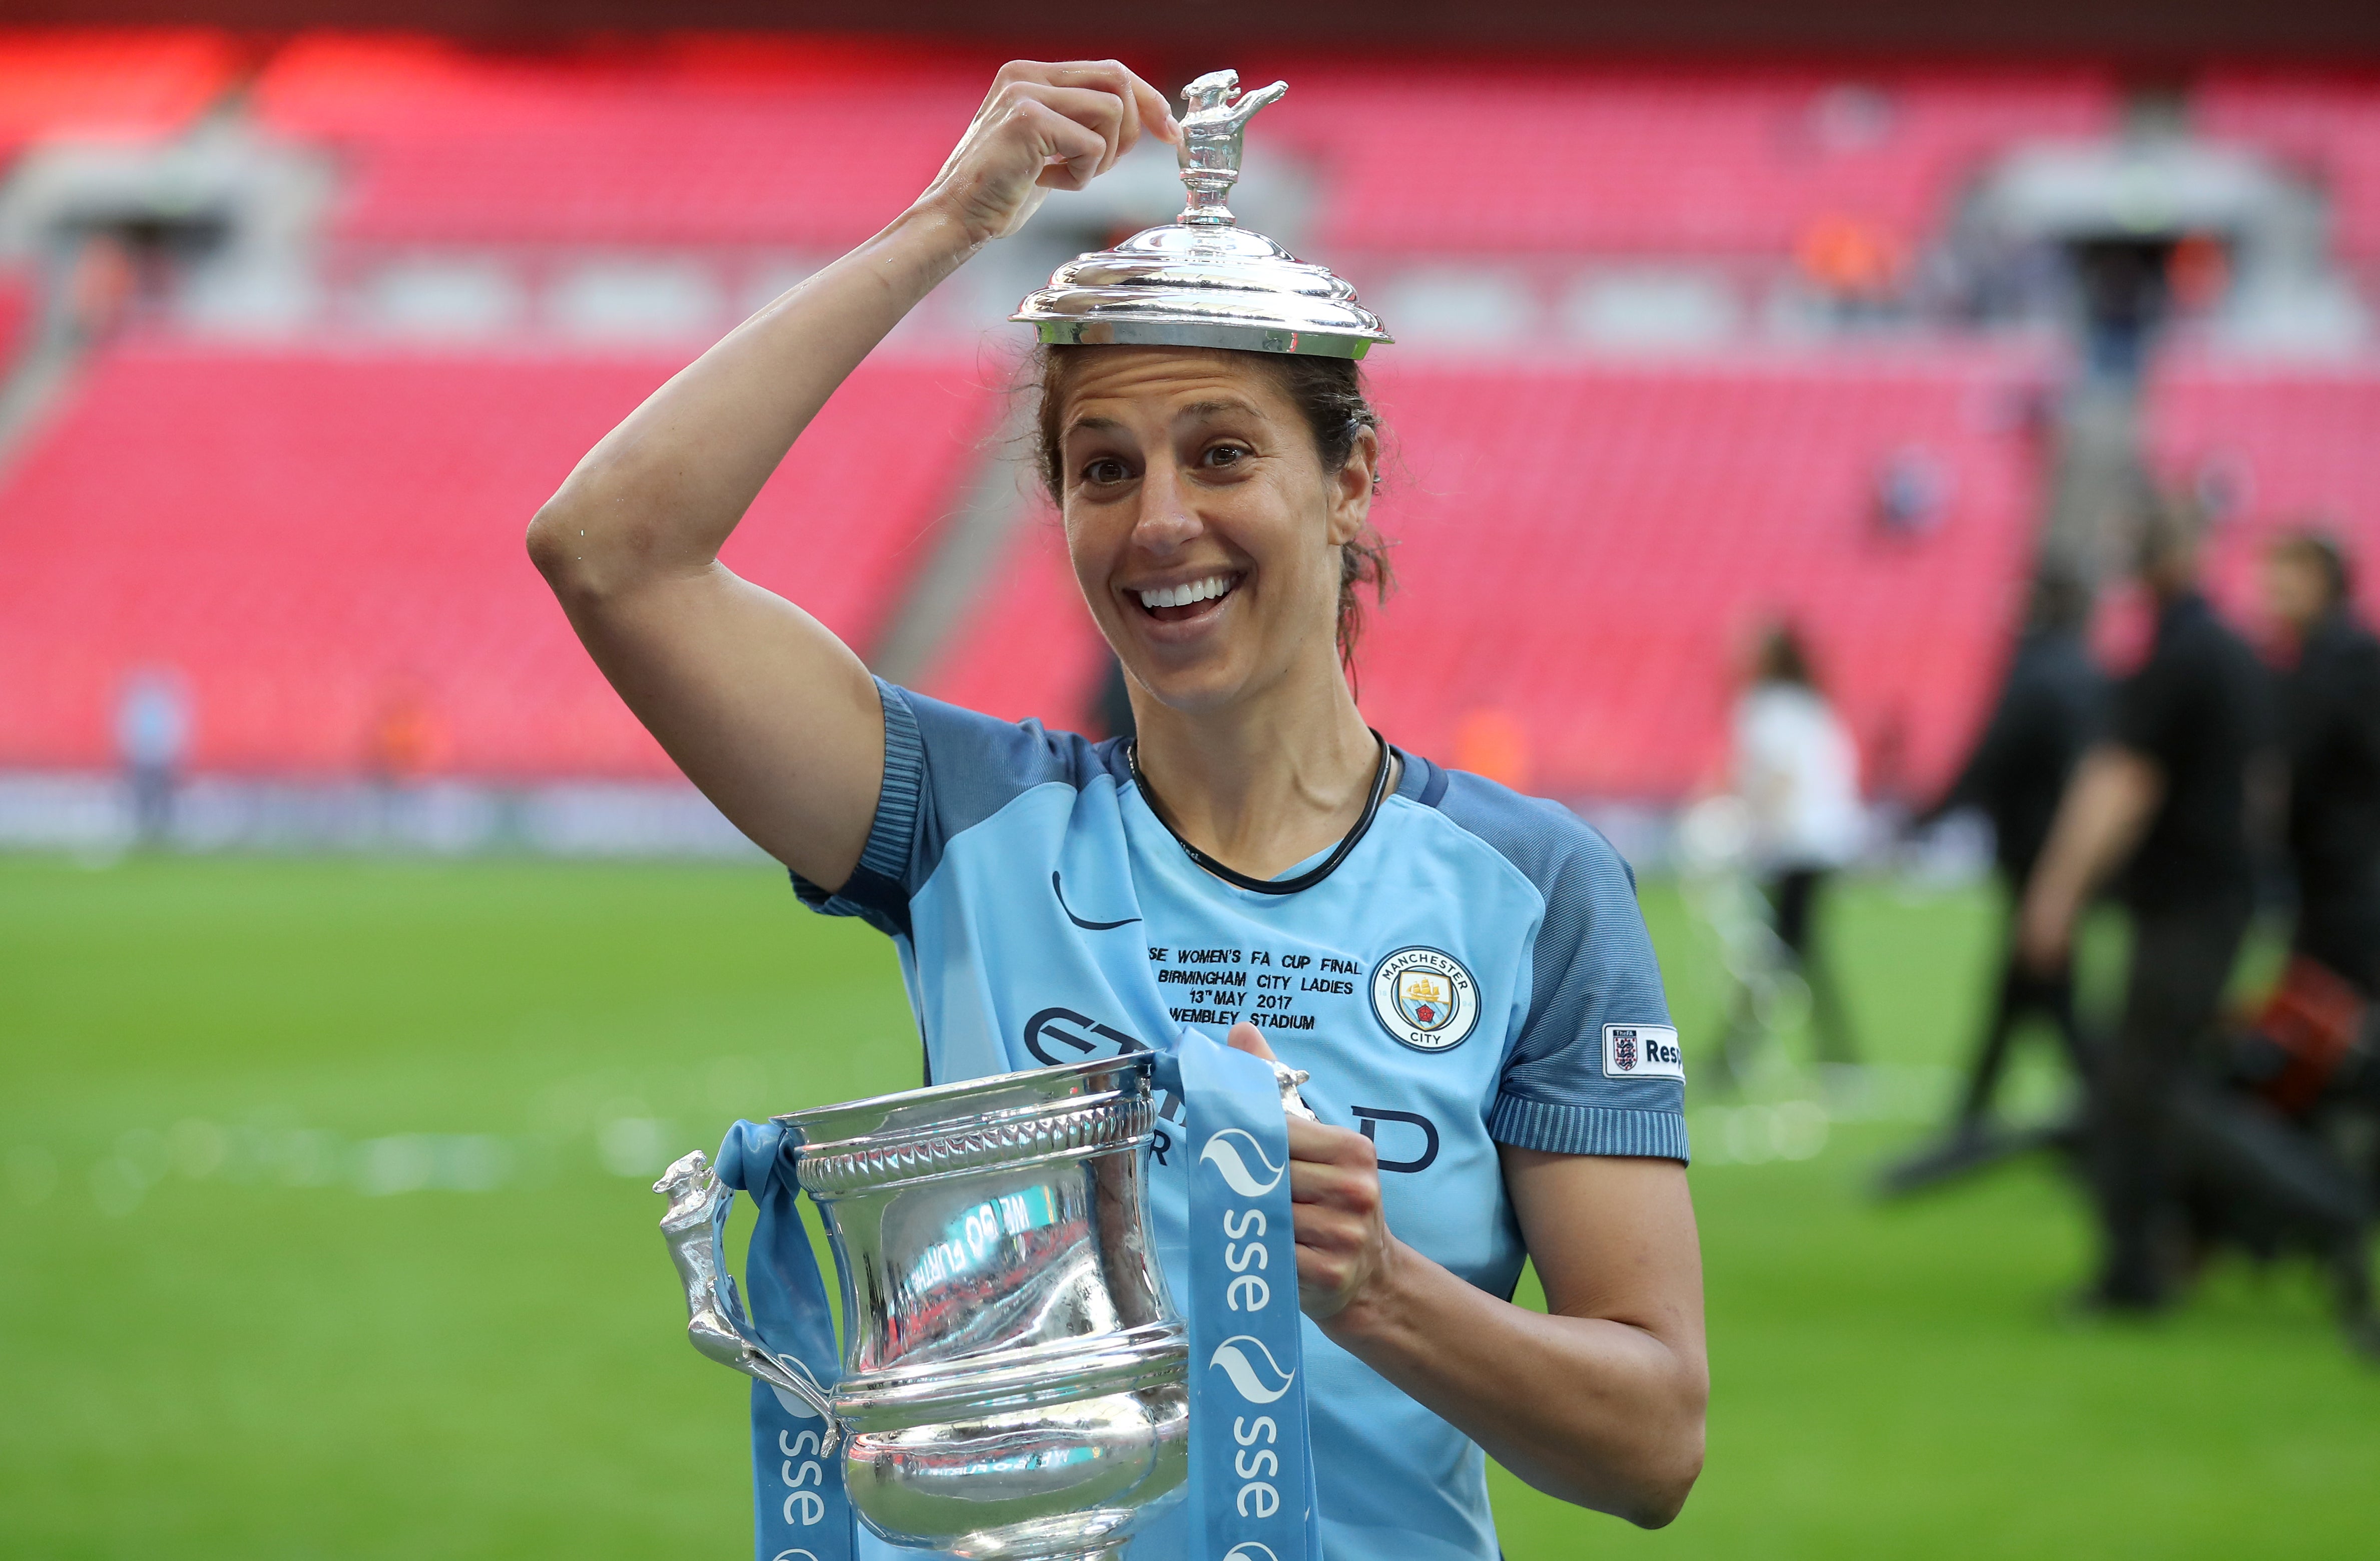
(695, 1228)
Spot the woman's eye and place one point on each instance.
(1108, 470)
(1226, 455)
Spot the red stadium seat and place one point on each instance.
(1026, 649)
(686, 141)
(307, 536)
(1583, 552)
(1449, 160)
(20, 297)
(2273, 446)
(2328, 128)
(108, 82)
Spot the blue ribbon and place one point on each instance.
(1251, 1467)
(799, 1509)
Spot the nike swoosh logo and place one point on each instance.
(1087, 926)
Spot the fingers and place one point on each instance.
(1042, 128)
(1332, 1167)
(1146, 107)
(1245, 1037)
(1139, 107)
(1078, 130)
(1342, 1233)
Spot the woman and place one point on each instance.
(1258, 855)
(1797, 770)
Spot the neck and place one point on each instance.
(1268, 781)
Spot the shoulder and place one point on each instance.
(946, 769)
(971, 765)
(1556, 851)
(1592, 1067)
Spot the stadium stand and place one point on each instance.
(307, 536)
(2273, 446)
(311, 530)
(1027, 649)
(1516, 160)
(2329, 128)
(18, 299)
(1583, 551)
(689, 140)
(103, 82)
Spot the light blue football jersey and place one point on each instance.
(1475, 973)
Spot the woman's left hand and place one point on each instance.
(1344, 1251)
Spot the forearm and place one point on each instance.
(2101, 819)
(659, 496)
(1599, 1413)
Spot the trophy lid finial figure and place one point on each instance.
(1203, 280)
(1209, 152)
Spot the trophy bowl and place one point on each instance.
(1013, 1382)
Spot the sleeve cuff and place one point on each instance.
(875, 891)
(1587, 1129)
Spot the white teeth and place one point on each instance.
(1184, 595)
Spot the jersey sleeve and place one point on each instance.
(946, 769)
(1596, 1068)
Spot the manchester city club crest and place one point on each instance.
(1424, 999)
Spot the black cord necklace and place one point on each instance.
(1270, 885)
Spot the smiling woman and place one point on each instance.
(1327, 393)
(1463, 965)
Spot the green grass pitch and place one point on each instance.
(324, 1232)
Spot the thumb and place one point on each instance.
(1245, 1037)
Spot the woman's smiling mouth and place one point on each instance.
(1190, 598)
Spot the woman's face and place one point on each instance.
(1204, 530)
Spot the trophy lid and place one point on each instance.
(1202, 280)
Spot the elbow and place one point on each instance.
(1671, 1461)
(1662, 1490)
(555, 542)
(582, 569)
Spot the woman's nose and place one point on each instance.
(1168, 518)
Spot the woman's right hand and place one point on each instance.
(1043, 128)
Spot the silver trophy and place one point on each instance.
(1014, 1374)
(1203, 280)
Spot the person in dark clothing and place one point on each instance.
(2164, 797)
(2051, 707)
(2329, 705)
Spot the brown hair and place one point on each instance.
(1783, 658)
(1327, 392)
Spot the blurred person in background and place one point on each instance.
(2051, 708)
(2162, 800)
(1797, 772)
(2329, 707)
(152, 734)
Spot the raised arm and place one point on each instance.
(772, 715)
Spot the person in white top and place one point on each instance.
(1797, 770)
